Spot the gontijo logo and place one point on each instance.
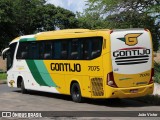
(130, 39)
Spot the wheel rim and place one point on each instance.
(76, 92)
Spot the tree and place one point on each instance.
(25, 13)
(109, 6)
(21, 17)
(91, 21)
(65, 19)
(6, 22)
(129, 14)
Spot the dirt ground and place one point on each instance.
(2, 64)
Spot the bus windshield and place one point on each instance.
(10, 55)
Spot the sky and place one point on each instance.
(72, 5)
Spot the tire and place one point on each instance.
(76, 93)
(23, 90)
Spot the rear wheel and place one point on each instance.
(23, 90)
(76, 93)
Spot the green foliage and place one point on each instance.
(91, 21)
(112, 6)
(124, 14)
(6, 21)
(21, 17)
(132, 19)
(156, 72)
(3, 76)
(65, 19)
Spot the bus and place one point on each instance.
(83, 63)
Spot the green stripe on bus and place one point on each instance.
(36, 75)
(44, 73)
(27, 39)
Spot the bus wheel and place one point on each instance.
(23, 90)
(76, 93)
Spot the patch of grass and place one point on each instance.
(3, 76)
(157, 72)
(150, 99)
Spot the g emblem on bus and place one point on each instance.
(130, 39)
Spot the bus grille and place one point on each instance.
(97, 87)
(132, 60)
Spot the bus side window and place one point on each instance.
(48, 50)
(75, 49)
(41, 49)
(86, 49)
(96, 44)
(64, 50)
(33, 50)
(22, 52)
(56, 49)
(45, 50)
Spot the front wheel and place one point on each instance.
(76, 93)
(23, 90)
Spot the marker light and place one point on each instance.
(110, 80)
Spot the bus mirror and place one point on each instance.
(4, 53)
(4, 56)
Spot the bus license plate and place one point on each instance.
(134, 90)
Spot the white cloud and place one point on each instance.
(72, 5)
(70, 2)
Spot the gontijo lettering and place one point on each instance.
(76, 67)
(132, 52)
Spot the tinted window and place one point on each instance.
(56, 50)
(33, 52)
(86, 49)
(64, 49)
(96, 46)
(69, 49)
(91, 47)
(23, 49)
(75, 49)
(44, 49)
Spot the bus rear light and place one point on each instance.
(151, 81)
(110, 83)
(110, 80)
(152, 74)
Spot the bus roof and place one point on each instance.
(57, 32)
(66, 33)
